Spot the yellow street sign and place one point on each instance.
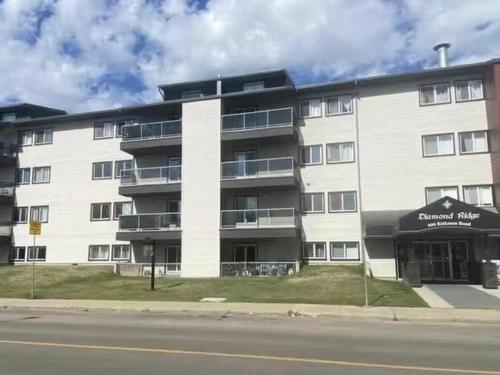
(35, 228)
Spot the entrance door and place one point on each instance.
(174, 173)
(245, 167)
(460, 260)
(244, 253)
(247, 210)
(173, 257)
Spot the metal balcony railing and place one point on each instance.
(8, 149)
(259, 218)
(152, 130)
(150, 222)
(150, 176)
(275, 167)
(258, 119)
(144, 269)
(249, 269)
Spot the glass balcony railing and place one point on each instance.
(257, 120)
(275, 167)
(152, 130)
(151, 176)
(259, 218)
(150, 222)
(8, 149)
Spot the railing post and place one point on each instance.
(267, 119)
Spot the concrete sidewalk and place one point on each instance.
(414, 314)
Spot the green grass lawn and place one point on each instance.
(342, 285)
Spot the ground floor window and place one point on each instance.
(37, 253)
(121, 252)
(99, 252)
(18, 254)
(344, 250)
(314, 250)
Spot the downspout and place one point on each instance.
(360, 204)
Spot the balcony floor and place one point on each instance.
(251, 233)
(156, 235)
(148, 189)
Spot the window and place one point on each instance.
(8, 117)
(435, 94)
(342, 201)
(37, 253)
(310, 107)
(43, 136)
(23, 176)
(312, 202)
(438, 145)
(41, 175)
(338, 105)
(102, 170)
(314, 250)
(469, 90)
(20, 214)
(122, 208)
(344, 251)
(311, 155)
(104, 130)
(25, 138)
(121, 252)
(340, 152)
(432, 194)
(192, 94)
(472, 142)
(99, 252)
(252, 86)
(40, 213)
(18, 254)
(481, 195)
(100, 211)
(121, 165)
(119, 126)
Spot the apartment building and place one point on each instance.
(252, 175)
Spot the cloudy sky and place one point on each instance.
(83, 55)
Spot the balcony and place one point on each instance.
(258, 124)
(151, 137)
(254, 269)
(150, 181)
(144, 269)
(259, 173)
(259, 223)
(6, 192)
(5, 229)
(157, 226)
(8, 153)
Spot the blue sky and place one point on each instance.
(82, 55)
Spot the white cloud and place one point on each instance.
(93, 54)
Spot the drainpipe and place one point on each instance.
(360, 205)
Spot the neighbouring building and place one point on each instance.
(251, 174)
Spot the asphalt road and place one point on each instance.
(52, 343)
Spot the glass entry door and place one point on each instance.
(244, 253)
(442, 260)
(173, 257)
(246, 210)
(246, 165)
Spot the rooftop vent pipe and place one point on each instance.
(442, 54)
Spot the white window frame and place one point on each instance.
(25, 172)
(478, 187)
(339, 107)
(118, 170)
(37, 253)
(468, 82)
(101, 165)
(121, 247)
(47, 135)
(16, 250)
(315, 250)
(110, 133)
(104, 248)
(21, 135)
(309, 149)
(461, 134)
(34, 174)
(310, 196)
(41, 212)
(115, 206)
(424, 137)
(342, 200)
(329, 153)
(434, 85)
(9, 117)
(344, 245)
(427, 201)
(100, 206)
(309, 100)
(21, 209)
(254, 86)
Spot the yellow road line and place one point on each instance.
(251, 356)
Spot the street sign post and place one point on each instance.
(35, 229)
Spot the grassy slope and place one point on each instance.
(341, 285)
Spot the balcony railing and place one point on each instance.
(144, 269)
(8, 149)
(257, 120)
(150, 176)
(150, 222)
(152, 130)
(258, 218)
(249, 269)
(6, 189)
(276, 167)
